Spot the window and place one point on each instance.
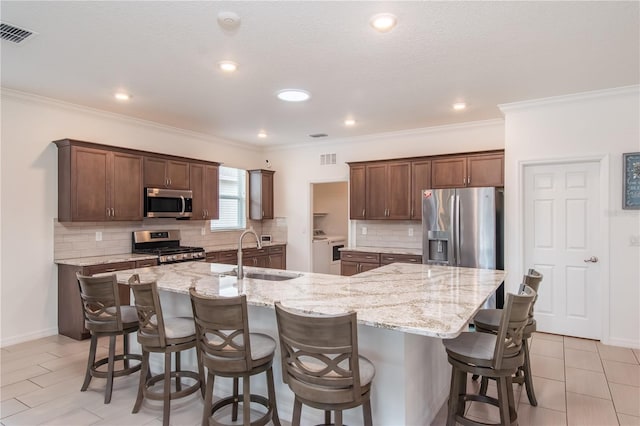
(233, 203)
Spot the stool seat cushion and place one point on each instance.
(470, 347)
(176, 328)
(128, 313)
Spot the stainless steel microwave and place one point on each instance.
(159, 202)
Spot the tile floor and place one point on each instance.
(577, 381)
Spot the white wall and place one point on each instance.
(29, 194)
(299, 166)
(597, 124)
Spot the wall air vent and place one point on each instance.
(319, 135)
(327, 159)
(13, 33)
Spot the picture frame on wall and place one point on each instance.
(631, 181)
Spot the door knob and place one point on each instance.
(592, 259)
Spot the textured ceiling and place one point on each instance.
(165, 55)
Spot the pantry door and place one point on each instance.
(562, 241)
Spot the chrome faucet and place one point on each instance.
(240, 273)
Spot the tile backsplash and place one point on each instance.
(78, 239)
(388, 234)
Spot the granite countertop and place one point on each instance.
(101, 260)
(385, 250)
(428, 300)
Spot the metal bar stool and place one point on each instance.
(488, 321)
(496, 356)
(104, 317)
(228, 349)
(166, 336)
(321, 364)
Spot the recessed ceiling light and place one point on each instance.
(121, 96)
(228, 66)
(262, 134)
(349, 122)
(459, 106)
(293, 95)
(383, 22)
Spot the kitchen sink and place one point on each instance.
(267, 276)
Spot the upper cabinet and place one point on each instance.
(473, 170)
(162, 172)
(357, 192)
(204, 184)
(98, 184)
(260, 194)
(388, 190)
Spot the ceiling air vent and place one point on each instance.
(319, 135)
(14, 34)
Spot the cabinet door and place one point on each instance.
(348, 268)
(228, 257)
(376, 184)
(267, 195)
(449, 172)
(485, 170)
(89, 181)
(276, 261)
(197, 187)
(420, 179)
(211, 192)
(178, 174)
(126, 187)
(367, 267)
(155, 173)
(357, 192)
(398, 192)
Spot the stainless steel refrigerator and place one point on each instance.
(464, 227)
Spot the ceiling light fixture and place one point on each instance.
(293, 95)
(459, 106)
(121, 96)
(349, 122)
(262, 134)
(227, 66)
(383, 22)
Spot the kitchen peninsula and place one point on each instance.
(404, 310)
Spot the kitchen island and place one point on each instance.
(404, 311)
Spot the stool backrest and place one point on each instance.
(533, 279)
(222, 330)
(515, 316)
(151, 329)
(100, 303)
(320, 355)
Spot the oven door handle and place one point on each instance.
(184, 205)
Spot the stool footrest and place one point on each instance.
(159, 395)
(116, 373)
(233, 399)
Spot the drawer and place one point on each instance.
(211, 257)
(386, 259)
(146, 262)
(360, 256)
(276, 249)
(108, 267)
(253, 252)
(227, 257)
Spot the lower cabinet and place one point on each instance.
(267, 257)
(355, 262)
(70, 311)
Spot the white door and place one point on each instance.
(562, 231)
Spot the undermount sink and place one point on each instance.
(267, 276)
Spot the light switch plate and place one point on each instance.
(411, 232)
(98, 236)
(364, 230)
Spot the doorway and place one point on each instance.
(563, 239)
(330, 219)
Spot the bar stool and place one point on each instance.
(228, 349)
(162, 335)
(321, 364)
(497, 356)
(103, 316)
(488, 321)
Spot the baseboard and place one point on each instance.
(4, 342)
(625, 343)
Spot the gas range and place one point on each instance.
(165, 245)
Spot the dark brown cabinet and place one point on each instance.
(474, 170)
(204, 184)
(162, 172)
(420, 179)
(261, 194)
(388, 190)
(267, 257)
(355, 262)
(386, 258)
(357, 192)
(70, 315)
(98, 184)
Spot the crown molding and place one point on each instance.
(595, 94)
(5, 92)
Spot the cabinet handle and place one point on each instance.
(206, 210)
(108, 211)
(411, 211)
(362, 212)
(469, 180)
(113, 212)
(110, 270)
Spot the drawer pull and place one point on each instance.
(110, 270)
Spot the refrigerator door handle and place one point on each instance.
(452, 261)
(457, 229)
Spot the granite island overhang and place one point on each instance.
(404, 310)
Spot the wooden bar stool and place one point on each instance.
(488, 321)
(321, 364)
(497, 356)
(228, 349)
(166, 336)
(104, 317)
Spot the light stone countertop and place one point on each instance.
(101, 260)
(428, 300)
(385, 250)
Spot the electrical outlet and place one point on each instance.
(410, 232)
(634, 241)
(203, 231)
(364, 230)
(98, 236)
